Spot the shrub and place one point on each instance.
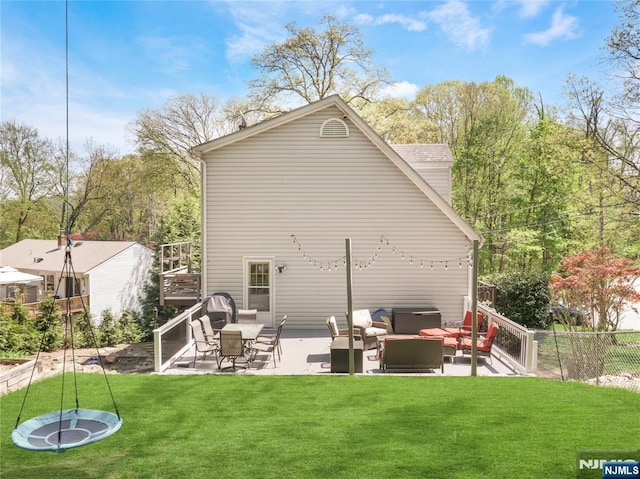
(84, 333)
(130, 327)
(17, 335)
(524, 298)
(110, 332)
(47, 323)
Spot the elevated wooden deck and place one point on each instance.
(180, 289)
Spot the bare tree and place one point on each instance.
(166, 135)
(311, 65)
(624, 49)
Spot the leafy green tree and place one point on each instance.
(524, 297)
(486, 127)
(26, 169)
(611, 174)
(391, 118)
(545, 181)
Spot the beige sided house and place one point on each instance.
(281, 197)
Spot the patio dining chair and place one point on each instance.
(203, 345)
(247, 316)
(210, 334)
(231, 348)
(270, 343)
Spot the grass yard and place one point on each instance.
(329, 427)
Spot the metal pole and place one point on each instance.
(474, 310)
(349, 306)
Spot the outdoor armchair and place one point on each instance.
(335, 332)
(370, 331)
(484, 342)
(463, 329)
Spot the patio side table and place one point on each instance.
(340, 355)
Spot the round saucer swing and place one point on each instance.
(61, 430)
(66, 428)
(73, 427)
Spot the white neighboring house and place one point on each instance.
(281, 197)
(111, 274)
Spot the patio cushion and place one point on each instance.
(372, 331)
(435, 332)
(334, 326)
(362, 318)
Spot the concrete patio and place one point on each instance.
(306, 352)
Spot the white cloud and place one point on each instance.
(173, 55)
(531, 8)
(259, 24)
(403, 89)
(562, 27)
(411, 24)
(344, 11)
(526, 8)
(463, 29)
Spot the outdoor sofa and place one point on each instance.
(411, 354)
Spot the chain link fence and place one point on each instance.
(609, 358)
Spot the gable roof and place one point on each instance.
(384, 147)
(45, 255)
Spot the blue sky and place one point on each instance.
(125, 56)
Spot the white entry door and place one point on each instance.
(259, 288)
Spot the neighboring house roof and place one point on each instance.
(46, 255)
(384, 147)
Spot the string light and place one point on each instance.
(334, 265)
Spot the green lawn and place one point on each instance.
(330, 427)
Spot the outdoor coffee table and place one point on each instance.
(340, 355)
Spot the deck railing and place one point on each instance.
(76, 305)
(514, 344)
(173, 339)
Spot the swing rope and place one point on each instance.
(35, 433)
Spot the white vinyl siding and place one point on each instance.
(117, 283)
(289, 181)
(439, 177)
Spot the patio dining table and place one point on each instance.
(250, 332)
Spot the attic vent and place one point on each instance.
(334, 128)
